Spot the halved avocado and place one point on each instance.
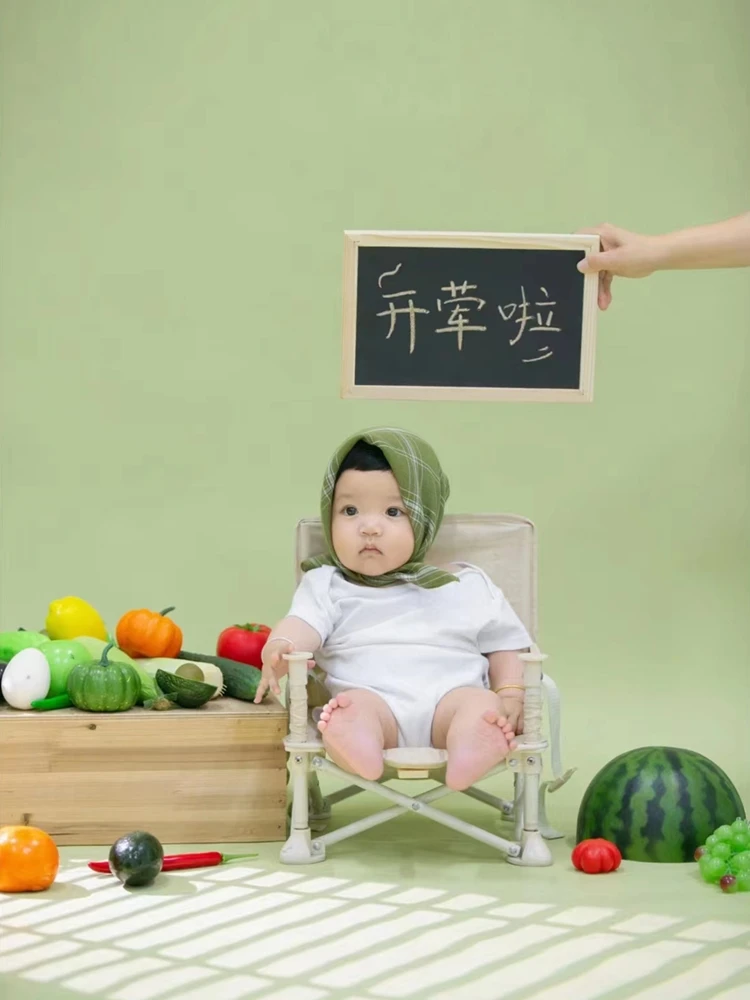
(184, 692)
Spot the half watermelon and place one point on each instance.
(658, 803)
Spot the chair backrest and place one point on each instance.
(503, 545)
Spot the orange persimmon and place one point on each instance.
(29, 859)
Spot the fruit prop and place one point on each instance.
(148, 633)
(136, 859)
(184, 692)
(595, 857)
(243, 643)
(207, 673)
(657, 804)
(25, 679)
(180, 862)
(103, 686)
(13, 642)
(62, 655)
(724, 859)
(240, 679)
(29, 859)
(70, 617)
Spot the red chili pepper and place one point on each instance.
(174, 862)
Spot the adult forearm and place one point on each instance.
(719, 244)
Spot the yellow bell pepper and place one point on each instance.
(71, 617)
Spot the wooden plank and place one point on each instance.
(212, 775)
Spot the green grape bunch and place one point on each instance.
(724, 859)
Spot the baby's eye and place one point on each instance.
(394, 512)
(349, 511)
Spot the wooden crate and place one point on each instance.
(207, 776)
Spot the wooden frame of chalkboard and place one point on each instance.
(468, 316)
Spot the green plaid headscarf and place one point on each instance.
(425, 491)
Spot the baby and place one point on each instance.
(414, 655)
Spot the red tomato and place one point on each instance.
(594, 857)
(243, 643)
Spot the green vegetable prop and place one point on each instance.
(51, 704)
(148, 689)
(103, 686)
(13, 642)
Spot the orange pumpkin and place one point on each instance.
(29, 859)
(146, 633)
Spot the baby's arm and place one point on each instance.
(288, 635)
(506, 680)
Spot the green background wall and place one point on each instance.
(174, 182)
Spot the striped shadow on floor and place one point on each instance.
(279, 935)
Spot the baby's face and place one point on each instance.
(370, 528)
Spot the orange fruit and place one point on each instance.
(29, 859)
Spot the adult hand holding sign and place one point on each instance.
(633, 255)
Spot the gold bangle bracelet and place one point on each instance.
(504, 687)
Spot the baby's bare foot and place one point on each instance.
(352, 737)
(475, 746)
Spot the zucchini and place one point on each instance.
(186, 693)
(241, 679)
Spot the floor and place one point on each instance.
(408, 910)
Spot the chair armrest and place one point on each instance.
(532, 706)
(297, 694)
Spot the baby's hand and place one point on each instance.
(274, 666)
(511, 706)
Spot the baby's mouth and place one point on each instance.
(371, 548)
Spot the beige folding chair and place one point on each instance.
(504, 546)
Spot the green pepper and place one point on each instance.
(50, 704)
(13, 642)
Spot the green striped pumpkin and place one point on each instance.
(658, 803)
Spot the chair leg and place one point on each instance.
(534, 850)
(298, 849)
(518, 805)
(319, 807)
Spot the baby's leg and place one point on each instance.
(357, 726)
(467, 723)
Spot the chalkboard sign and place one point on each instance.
(481, 316)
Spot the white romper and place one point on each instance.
(408, 644)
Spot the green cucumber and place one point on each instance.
(241, 679)
(186, 693)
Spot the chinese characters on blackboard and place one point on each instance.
(459, 312)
